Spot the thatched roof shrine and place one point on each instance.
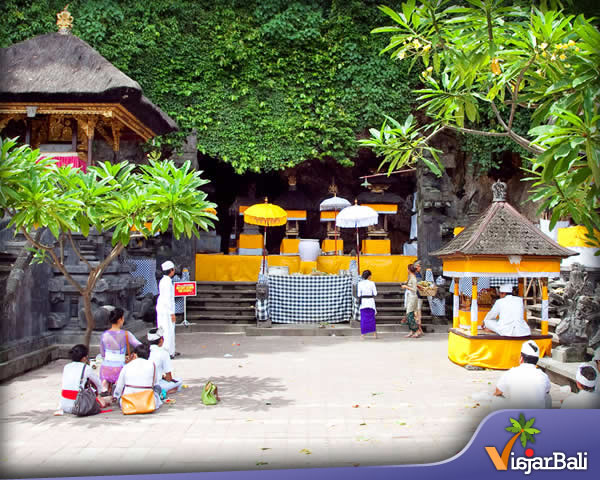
(501, 230)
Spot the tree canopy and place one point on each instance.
(266, 84)
(510, 59)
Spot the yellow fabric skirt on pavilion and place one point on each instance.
(491, 351)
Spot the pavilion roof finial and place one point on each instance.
(499, 191)
(64, 21)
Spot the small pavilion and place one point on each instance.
(58, 94)
(500, 245)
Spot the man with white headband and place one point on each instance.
(162, 360)
(165, 307)
(525, 386)
(596, 365)
(509, 310)
(587, 397)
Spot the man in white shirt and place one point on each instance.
(524, 386)
(138, 375)
(162, 360)
(165, 307)
(587, 397)
(509, 310)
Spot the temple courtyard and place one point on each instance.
(287, 402)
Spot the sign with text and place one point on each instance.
(185, 289)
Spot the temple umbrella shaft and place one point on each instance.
(357, 250)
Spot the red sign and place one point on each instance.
(185, 289)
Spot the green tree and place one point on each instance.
(118, 198)
(266, 84)
(512, 59)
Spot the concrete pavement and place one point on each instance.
(287, 402)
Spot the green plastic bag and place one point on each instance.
(209, 394)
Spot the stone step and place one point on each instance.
(199, 316)
(215, 291)
(339, 330)
(196, 300)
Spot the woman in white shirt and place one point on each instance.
(76, 374)
(366, 293)
(138, 375)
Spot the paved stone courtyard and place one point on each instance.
(287, 402)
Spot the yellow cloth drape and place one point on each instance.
(289, 246)
(500, 354)
(244, 268)
(376, 247)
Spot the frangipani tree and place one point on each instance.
(510, 58)
(119, 198)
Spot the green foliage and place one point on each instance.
(511, 58)
(266, 84)
(109, 197)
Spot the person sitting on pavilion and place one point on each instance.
(524, 386)
(587, 397)
(162, 360)
(509, 310)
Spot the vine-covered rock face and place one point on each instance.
(267, 84)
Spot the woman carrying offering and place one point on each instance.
(411, 304)
(367, 292)
(115, 345)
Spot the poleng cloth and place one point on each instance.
(310, 299)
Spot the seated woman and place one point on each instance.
(113, 348)
(72, 379)
(138, 375)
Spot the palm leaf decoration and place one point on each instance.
(525, 428)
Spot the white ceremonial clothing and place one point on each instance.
(137, 376)
(162, 361)
(525, 386)
(70, 381)
(367, 287)
(165, 307)
(582, 400)
(510, 323)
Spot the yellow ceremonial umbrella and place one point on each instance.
(266, 215)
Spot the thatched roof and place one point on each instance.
(63, 68)
(501, 230)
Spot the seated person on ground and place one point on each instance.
(587, 397)
(525, 386)
(72, 378)
(138, 375)
(509, 310)
(162, 360)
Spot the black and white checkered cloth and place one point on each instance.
(465, 284)
(146, 269)
(262, 310)
(310, 299)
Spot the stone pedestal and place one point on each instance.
(569, 353)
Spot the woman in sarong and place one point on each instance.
(114, 349)
(366, 292)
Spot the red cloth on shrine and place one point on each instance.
(73, 160)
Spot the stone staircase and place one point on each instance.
(229, 307)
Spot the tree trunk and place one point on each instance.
(89, 317)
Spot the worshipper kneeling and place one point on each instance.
(75, 375)
(587, 397)
(162, 360)
(524, 386)
(138, 375)
(509, 310)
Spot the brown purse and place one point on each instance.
(139, 402)
(128, 356)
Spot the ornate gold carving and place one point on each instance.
(60, 128)
(101, 127)
(39, 131)
(333, 188)
(116, 131)
(64, 21)
(7, 118)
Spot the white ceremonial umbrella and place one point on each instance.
(335, 204)
(357, 216)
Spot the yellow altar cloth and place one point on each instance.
(244, 268)
(491, 351)
(289, 246)
(376, 247)
(250, 241)
(329, 245)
